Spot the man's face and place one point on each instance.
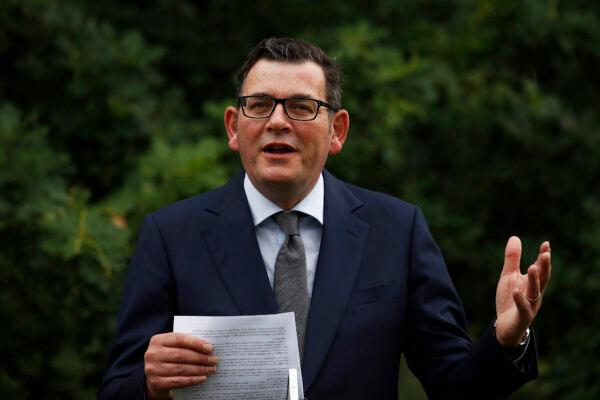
(279, 153)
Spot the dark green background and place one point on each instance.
(485, 113)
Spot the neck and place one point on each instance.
(285, 195)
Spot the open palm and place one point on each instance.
(519, 296)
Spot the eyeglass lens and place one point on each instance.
(261, 107)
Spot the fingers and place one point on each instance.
(544, 264)
(180, 356)
(538, 276)
(175, 360)
(163, 385)
(533, 284)
(182, 340)
(176, 348)
(524, 308)
(512, 255)
(178, 370)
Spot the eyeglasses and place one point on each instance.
(299, 109)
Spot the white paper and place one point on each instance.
(293, 384)
(255, 356)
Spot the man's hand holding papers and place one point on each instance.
(174, 360)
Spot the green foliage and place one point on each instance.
(485, 113)
(57, 271)
(167, 174)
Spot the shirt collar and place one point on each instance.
(262, 208)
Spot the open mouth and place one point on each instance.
(278, 148)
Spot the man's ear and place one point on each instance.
(231, 126)
(339, 126)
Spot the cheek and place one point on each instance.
(320, 151)
(317, 140)
(247, 138)
(247, 151)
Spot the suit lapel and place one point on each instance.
(234, 248)
(340, 255)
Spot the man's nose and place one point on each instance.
(278, 119)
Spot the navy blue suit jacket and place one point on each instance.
(381, 289)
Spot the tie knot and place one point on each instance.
(288, 222)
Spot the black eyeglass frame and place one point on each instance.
(320, 103)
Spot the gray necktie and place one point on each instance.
(289, 284)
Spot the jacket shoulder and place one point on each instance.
(379, 198)
(377, 202)
(197, 211)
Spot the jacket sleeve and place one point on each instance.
(438, 349)
(147, 309)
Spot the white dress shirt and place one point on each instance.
(270, 237)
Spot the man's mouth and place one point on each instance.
(278, 148)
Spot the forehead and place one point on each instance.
(281, 79)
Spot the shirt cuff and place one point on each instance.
(516, 354)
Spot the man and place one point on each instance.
(373, 284)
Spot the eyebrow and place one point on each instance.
(294, 95)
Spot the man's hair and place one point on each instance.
(296, 52)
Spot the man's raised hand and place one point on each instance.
(519, 296)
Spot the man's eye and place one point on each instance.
(301, 106)
(259, 104)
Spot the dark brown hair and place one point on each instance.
(296, 52)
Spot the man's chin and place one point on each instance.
(285, 178)
(280, 179)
